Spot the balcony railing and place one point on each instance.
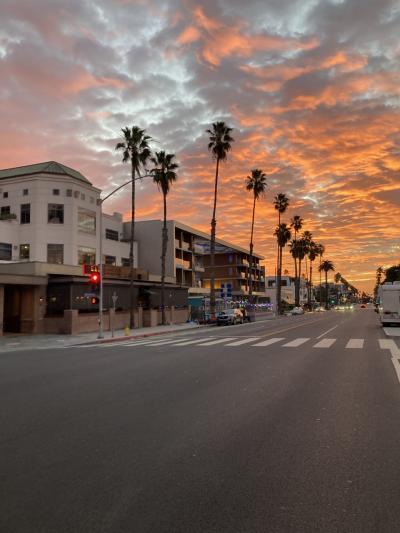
(180, 263)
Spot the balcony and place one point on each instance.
(180, 263)
(198, 249)
(177, 243)
(198, 267)
(185, 245)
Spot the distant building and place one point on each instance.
(287, 290)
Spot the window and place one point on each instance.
(86, 256)
(86, 221)
(24, 251)
(56, 192)
(25, 192)
(82, 196)
(76, 194)
(91, 200)
(5, 251)
(5, 210)
(25, 213)
(68, 192)
(55, 254)
(55, 213)
(125, 261)
(110, 260)
(5, 194)
(112, 235)
(230, 258)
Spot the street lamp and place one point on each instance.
(101, 201)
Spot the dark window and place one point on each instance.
(125, 261)
(110, 260)
(230, 258)
(112, 235)
(55, 213)
(86, 256)
(76, 194)
(25, 213)
(82, 196)
(24, 250)
(56, 192)
(68, 192)
(25, 192)
(91, 200)
(5, 210)
(5, 251)
(5, 194)
(55, 253)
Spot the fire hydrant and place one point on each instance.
(127, 331)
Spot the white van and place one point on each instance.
(389, 303)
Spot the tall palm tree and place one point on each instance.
(164, 175)
(296, 223)
(257, 183)
(312, 255)
(135, 148)
(220, 143)
(283, 236)
(321, 251)
(281, 203)
(307, 238)
(326, 266)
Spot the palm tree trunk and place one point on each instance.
(251, 252)
(320, 282)
(279, 291)
(163, 254)
(212, 245)
(131, 257)
(278, 273)
(310, 287)
(326, 290)
(299, 283)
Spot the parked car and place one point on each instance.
(230, 317)
(297, 311)
(319, 309)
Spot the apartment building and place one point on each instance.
(49, 229)
(188, 259)
(288, 290)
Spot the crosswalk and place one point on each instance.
(237, 342)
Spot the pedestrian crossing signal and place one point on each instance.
(94, 300)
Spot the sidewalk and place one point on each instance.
(13, 342)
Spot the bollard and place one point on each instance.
(127, 331)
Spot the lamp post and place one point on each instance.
(101, 201)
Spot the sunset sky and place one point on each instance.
(311, 88)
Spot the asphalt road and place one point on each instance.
(278, 426)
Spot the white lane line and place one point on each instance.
(324, 343)
(355, 343)
(389, 344)
(296, 342)
(269, 341)
(186, 343)
(325, 332)
(243, 341)
(165, 341)
(218, 341)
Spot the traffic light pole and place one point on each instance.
(101, 269)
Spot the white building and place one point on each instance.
(288, 290)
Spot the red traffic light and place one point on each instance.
(94, 300)
(95, 278)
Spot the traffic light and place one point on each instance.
(94, 300)
(95, 278)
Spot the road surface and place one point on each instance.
(277, 426)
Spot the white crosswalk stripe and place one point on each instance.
(218, 341)
(325, 343)
(296, 342)
(269, 341)
(243, 341)
(195, 341)
(355, 343)
(162, 342)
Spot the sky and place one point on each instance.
(310, 87)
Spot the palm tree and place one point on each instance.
(281, 203)
(283, 235)
(135, 148)
(296, 223)
(321, 251)
(312, 255)
(326, 266)
(257, 183)
(164, 175)
(219, 146)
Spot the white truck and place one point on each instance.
(389, 303)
